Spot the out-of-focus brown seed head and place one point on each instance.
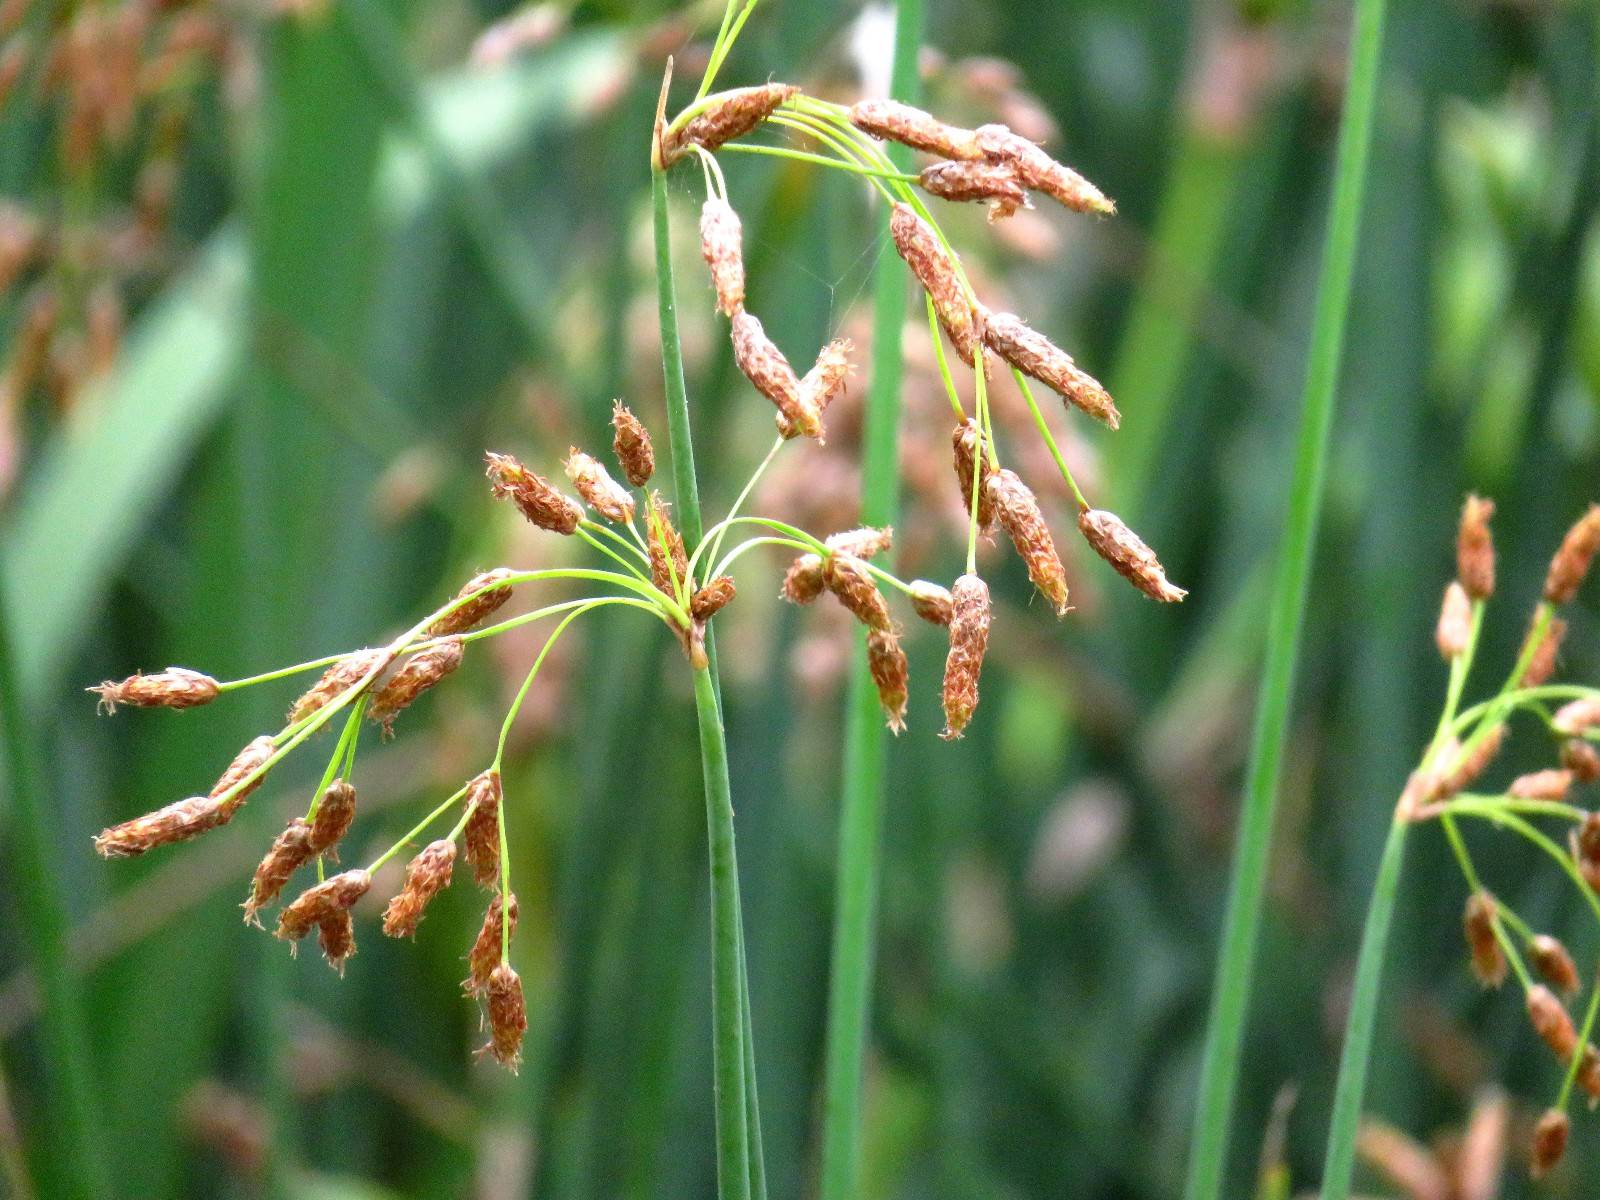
(1582, 759)
(631, 444)
(826, 379)
(1475, 548)
(533, 495)
(721, 244)
(931, 263)
(310, 908)
(866, 542)
(422, 671)
(765, 366)
(508, 1017)
(177, 822)
(1572, 561)
(890, 675)
(427, 875)
(1542, 661)
(336, 934)
(290, 851)
(1124, 550)
(481, 837)
(892, 121)
(336, 680)
(1039, 171)
(1035, 355)
(967, 442)
(1552, 1023)
(1457, 766)
(1549, 1142)
(336, 811)
(1585, 844)
(803, 582)
(1551, 960)
(176, 687)
(995, 182)
(669, 563)
(1488, 960)
(1552, 784)
(1588, 1077)
(488, 592)
(485, 954)
(1575, 718)
(848, 578)
(253, 757)
(969, 639)
(931, 602)
(1455, 621)
(594, 483)
(1020, 517)
(711, 599)
(730, 114)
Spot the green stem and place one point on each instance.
(1236, 957)
(865, 750)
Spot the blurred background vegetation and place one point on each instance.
(274, 278)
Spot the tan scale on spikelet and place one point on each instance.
(769, 372)
(427, 874)
(1455, 622)
(336, 934)
(1551, 960)
(1124, 550)
(721, 245)
(1475, 548)
(1020, 517)
(336, 680)
(712, 599)
(1582, 759)
(508, 1016)
(1552, 784)
(1477, 922)
(891, 121)
(176, 687)
(803, 582)
(930, 262)
(488, 591)
(890, 675)
(931, 602)
(729, 115)
(965, 182)
(601, 492)
(1542, 662)
(630, 442)
(422, 671)
(966, 441)
(1037, 170)
(177, 822)
(969, 639)
(535, 497)
(1549, 1142)
(310, 908)
(848, 578)
(289, 852)
(485, 953)
(868, 541)
(481, 837)
(336, 812)
(1035, 355)
(1573, 560)
(1552, 1023)
(826, 379)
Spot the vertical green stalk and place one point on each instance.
(729, 1050)
(865, 749)
(1219, 1073)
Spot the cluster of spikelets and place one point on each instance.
(1493, 930)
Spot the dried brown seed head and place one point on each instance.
(1542, 661)
(866, 542)
(969, 638)
(290, 851)
(1488, 960)
(712, 598)
(1578, 716)
(895, 122)
(484, 956)
(1542, 785)
(631, 445)
(1123, 549)
(481, 837)
(931, 602)
(422, 671)
(995, 182)
(1572, 561)
(176, 687)
(533, 495)
(1455, 621)
(336, 934)
(802, 582)
(721, 244)
(729, 115)
(967, 441)
(1035, 355)
(1585, 844)
(826, 380)
(508, 1016)
(1582, 759)
(177, 822)
(338, 679)
(1475, 548)
(427, 875)
(765, 366)
(336, 811)
(594, 483)
(669, 563)
(253, 757)
(1458, 766)
(1039, 171)
(1551, 960)
(1552, 1023)
(935, 270)
(890, 675)
(1549, 1142)
(847, 578)
(488, 592)
(310, 908)
(1020, 517)
(1588, 1077)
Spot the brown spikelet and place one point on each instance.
(485, 953)
(1035, 355)
(890, 675)
(669, 563)
(1020, 517)
(336, 811)
(508, 1016)
(1039, 171)
(1455, 621)
(1584, 842)
(1549, 1142)
(730, 114)
(177, 822)
(1475, 548)
(601, 492)
(1588, 1077)
(176, 687)
(930, 262)
(848, 578)
(336, 680)
(995, 182)
(251, 758)
(422, 671)
(427, 875)
(1574, 718)
(931, 602)
(1582, 759)
(967, 441)
(1488, 960)
(711, 599)
(721, 244)
(316, 904)
(765, 366)
(1551, 1022)
(1551, 960)
(1542, 661)
(865, 542)
(895, 122)
(535, 497)
(1572, 561)
(488, 592)
(1459, 766)
(826, 379)
(802, 582)
(290, 851)
(1123, 549)
(969, 638)
(336, 934)
(1550, 785)
(481, 837)
(631, 444)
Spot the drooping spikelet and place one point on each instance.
(485, 953)
(765, 366)
(1552, 1023)
(631, 445)
(594, 483)
(481, 837)
(1123, 549)
(848, 578)
(427, 875)
(177, 822)
(422, 671)
(1477, 922)
(1552, 784)
(338, 679)
(669, 563)
(711, 599)
(1020, 517)
(896, 122)
(533, 495)
(1475, 548)
(1584, 842)
(508, 1016)
(488, 592)
(336, 812)
(995, 182)
(866, 542)
(1576, 717)
(1455, 622)
(1039, 171)
(176, 687)
(1572, 561)
(826, 379)
(729, 115)
(290, 851)
(967, 442)
(969, 638)
(316, 904)
(1549, 1142)
(1551, 960)
(890, 675)
(803, 582)
(336, 934)
(1035, 355)
(931, 602)
(930, 262)
(249, 760)
(722, 247)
